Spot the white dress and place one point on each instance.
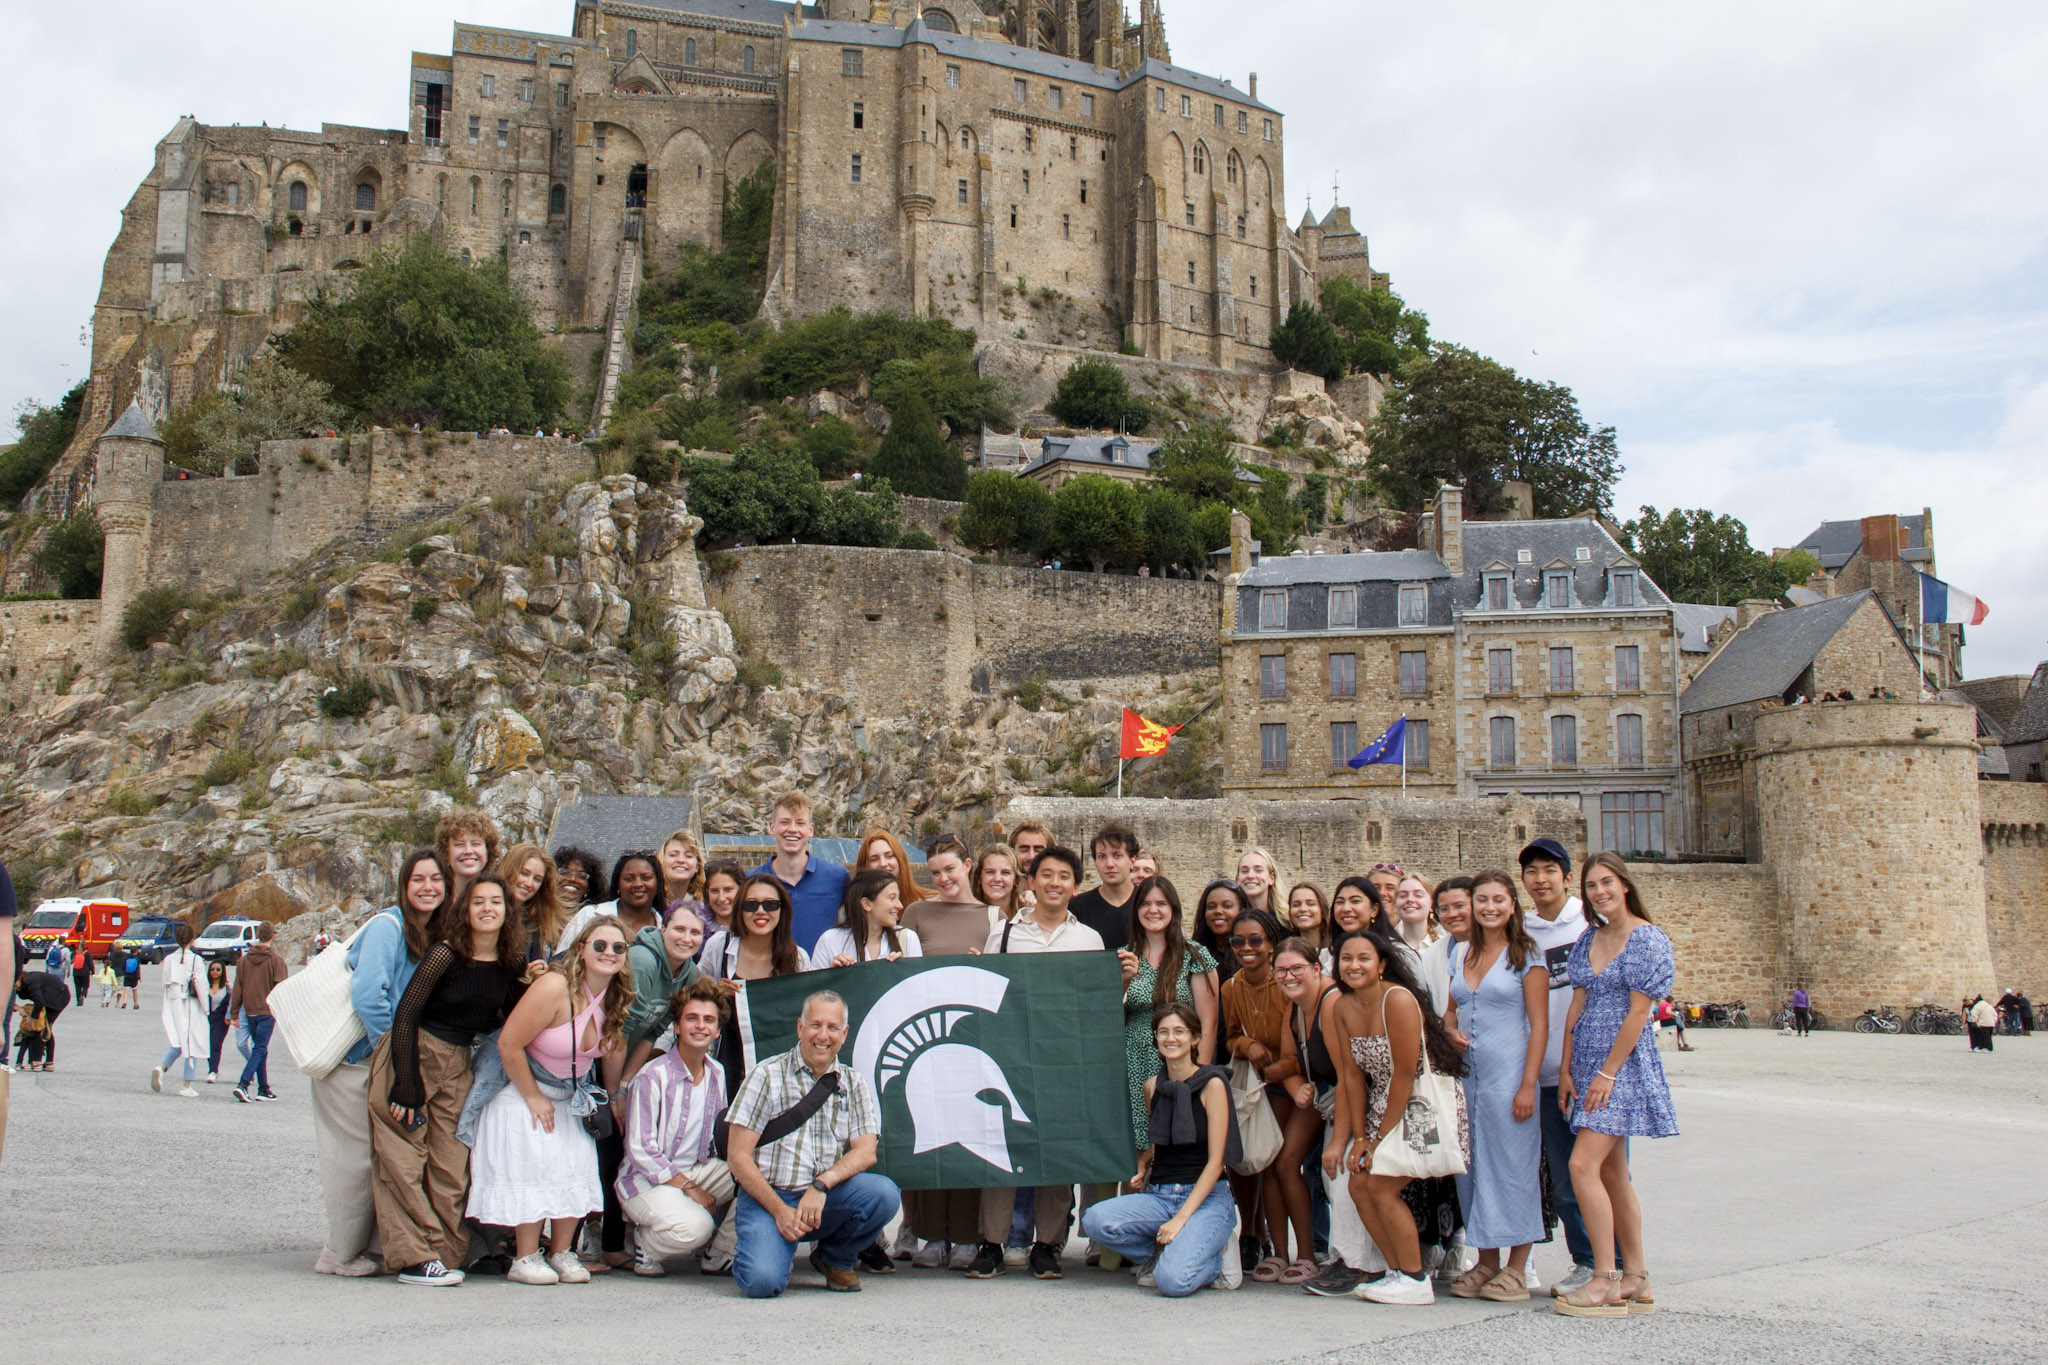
(519, 1172)
(184, 1002)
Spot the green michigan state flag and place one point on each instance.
(992, 1070)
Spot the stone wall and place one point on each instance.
(2014, 818)
(1727, 929)
(42, 645)
(1033, 370)
(904, 629)
(931, 515)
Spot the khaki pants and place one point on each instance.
(421, 1179)
(673, 1223)
(341, 1138)
(1054, 1203)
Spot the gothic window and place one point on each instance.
(938, 21)
(1230, 170)
(295, 196)
(1201, 161)
(747, 60)
(632, 42)
(689, 52)
(366, 197)
(558, 199)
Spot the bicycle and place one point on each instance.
(1878, 1020)
(1933, 1019)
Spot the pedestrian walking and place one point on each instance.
(259, 972)
(1982, 1021)
(131, 980)
(1802, 1011)
(183, 1009)
(81, 975)
(219, 995)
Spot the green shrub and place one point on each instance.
(352, 696)
(151, 616)
(73, 553)
(1094, 393)
(834, 446)
(301, 601)
(916, 460)
(45, 432)
(127, 800)
(914, 539)
(416, 555)
(229, 766)
(423, 609)
(757, 673)
(865, 514)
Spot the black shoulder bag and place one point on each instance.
(784, 1123)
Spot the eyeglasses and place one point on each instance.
(1247, 940)
(608, 947)
(761, 907)
(1302, 970)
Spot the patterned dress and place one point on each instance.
(1432, 1202)
(1141, 1057)
(1640, 1105)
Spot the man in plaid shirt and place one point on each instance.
(814, 1183)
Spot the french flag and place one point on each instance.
(1939, 602)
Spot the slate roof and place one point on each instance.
(1550, 543)
(133, 424)
(1095, 450)
(1696, 623)
(2029, 724)
(756, 11)
(1833, 543)
(609, 825)
(1398, 566)
(1767, 658)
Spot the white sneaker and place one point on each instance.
(1016, 1256)
(188, 1093)
(568, 1268)
(715, 1262)
(156, 1079)
(645, 1264)
(1146, 1278)
(933, 1255)
(1230, 1265)
(531, 1270)
(1581, 1276)
(962, 1257)
(1529, 1278)
(211, 1078)
(906, 1243)
(1394, 1287)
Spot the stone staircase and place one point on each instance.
(625, 292)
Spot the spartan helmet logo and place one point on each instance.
(904, 1036)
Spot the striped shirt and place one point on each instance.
(659, 1138)
(779, 1084)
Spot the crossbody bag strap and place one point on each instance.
(1006, 936)
(798, 1114)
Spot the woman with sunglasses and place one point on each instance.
(1254, 1023)
(1221, 902)
(535, 1161)
(760, 944)
(420, 1076)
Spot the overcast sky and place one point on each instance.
(1793, 252)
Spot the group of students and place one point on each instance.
(549, 1041)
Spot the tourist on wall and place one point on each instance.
(1106, 907)
(1161, 968)
(1377, 1035)
(682, 867)
(1500, 1016)
(722, 880)
(579, 878)
(1255, 1012)
(996, 878)
(1257, 872)
(675, 1189)
(536, 899)
(661, 962)
(420, 1077)
(1613, 1084)
(1308, 917)
(880, 851)
(468, 842)
(183, 974)
(1177, 1230)
(1309, 1083)
(816, 888)
(1222, 901)
(258, 972)
(535, 1158)
(1556, 923)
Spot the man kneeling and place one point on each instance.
(804, 1129)
(671, 1185)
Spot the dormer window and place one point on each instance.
(1273, 609)
(1557, 590)
(1625, 587)
(1497, 596)
(1343, 609)
(1414, 604)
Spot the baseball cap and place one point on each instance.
(1546, 848)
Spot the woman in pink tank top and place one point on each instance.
(533, 1161)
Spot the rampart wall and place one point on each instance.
(1727, 928)
(42, 645)
(2014, 824)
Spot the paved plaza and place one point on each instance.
(1833, 1199)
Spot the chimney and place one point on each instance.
(1425, 532)
(1882, 539)
(1751, 609)
(1450, 529)
(1521, 500)
(1254, 91)
(1241, 557)
(1822, 582)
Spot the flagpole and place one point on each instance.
(1119, 778)
(1404, 754)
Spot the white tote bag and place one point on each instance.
(314, 1011)
(1258, 1132)
(1431, 1137)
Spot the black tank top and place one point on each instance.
(1315, 1057)
(1181, 1163)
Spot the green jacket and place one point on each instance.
(653, 985)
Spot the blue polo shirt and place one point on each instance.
(817, 895)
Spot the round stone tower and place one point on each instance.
(128, 464)
(1869, 817)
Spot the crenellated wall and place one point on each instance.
(2013, 820)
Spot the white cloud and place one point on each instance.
(1793, 251)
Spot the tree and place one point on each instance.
(1696, 555)
(417, 336)
(834, 447)
(763, 495)
(868, 514)
(1094, 393)
(1198, 465)
(1380, 334)
(915, 458)
(1461, 418)
(73, 553)
(45, 432)
(1307, 342)
(1168, 532)
(1096, 518)
(223, 430)
(1005, 512)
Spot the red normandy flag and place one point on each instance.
(1144, 738)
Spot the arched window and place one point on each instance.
(366, 197)
(939, 21)
(295, 197)
(966, 140)
(689, 52)
(632, 42)
(476, 188)
(747, 60)
(558, 199)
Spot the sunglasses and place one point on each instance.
(761, 907)
(1247, 940)
(607, 946)
(1386, 867)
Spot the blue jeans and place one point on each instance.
(191, 1063)
(258, 1068)
(855, 1210)
(1129, 1226)
(1557, 1154)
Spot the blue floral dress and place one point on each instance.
(1640, 1105)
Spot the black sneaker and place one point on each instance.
(243, 1095)
(494, 1264)
(987, 1262)
(876, 1261)
(1045, 1262)
(264, 1095)
(1335, 1282)
(431, 1273)
(1248, 1253)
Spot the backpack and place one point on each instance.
(55, 960)
(131, 966)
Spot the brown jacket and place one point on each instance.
(258, 973)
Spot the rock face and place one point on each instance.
(538, 646)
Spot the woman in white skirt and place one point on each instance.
(533, 1161)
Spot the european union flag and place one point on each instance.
(1391, 747)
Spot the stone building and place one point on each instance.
(2025, 733)
(1117, 457)
(1887, 554)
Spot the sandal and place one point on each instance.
(1301, 1272)
(1507, 1287)
(1268, 1270)
(1580, 1303)
(1468, 1285)
(1642, 1301)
